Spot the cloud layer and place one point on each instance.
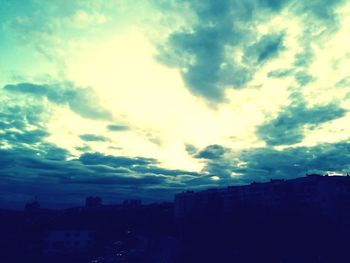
(80, 100)
(223, 46)
(143, 99)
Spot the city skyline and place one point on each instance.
(144, 99)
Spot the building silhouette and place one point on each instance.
(93, 202)
(305, 219)
(132, 203)
(32, 206)
(326, 195)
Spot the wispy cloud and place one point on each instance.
(80, 100)
(290, 124)
(93, 138)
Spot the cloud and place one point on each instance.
(262, 164)
(50, 33)
(223, 46)
(295, 161)
(217, 46)
(115, 127)
(82, 19)
(265, 48)
(303, 78)
(114, 161)
(84, 148)
(22, 122)
(275, 5)
(211, 152)
(82, 101)
(93, 138)
(200, 51)
(23, 137)
(30, 165)
(28, 138)
(20, 116)
(191, 149)
(319, 10)
(289, 125)
(281, 73)
(108, 176)
(162, 171)
(134, 181)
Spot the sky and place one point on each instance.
(145, 99)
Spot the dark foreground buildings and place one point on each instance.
(305, 219)
(328, 196)
(94, 233)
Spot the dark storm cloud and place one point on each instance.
(203, 50)
(80, 100)
(100, 173)
(121, 180)
(23, 132)
(115, 127)
(262, 164)
(21, 116)
(29, 174)
(27, 137)
(93, 138)
(25, 173)
(288, 127)
(211, 152)
(222, 168)
(22, 126)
